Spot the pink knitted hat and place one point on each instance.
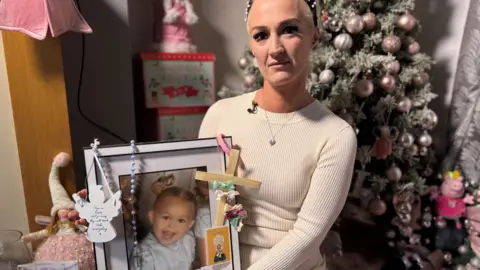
(60, 198)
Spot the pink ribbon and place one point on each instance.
(221, 142)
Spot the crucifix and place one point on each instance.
(226, 182)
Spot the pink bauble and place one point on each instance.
(387, 82)
(364, 88)
(71, 247)
(370, 20)
(413, 48)
(406, 22)
(392, 67)
(391, 44)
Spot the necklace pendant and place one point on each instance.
(273, 142)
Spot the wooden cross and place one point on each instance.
(228, 177)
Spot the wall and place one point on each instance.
(12, 202)
(442, 31)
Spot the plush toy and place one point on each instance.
(451, 203)
(175, 33)
(64, 233)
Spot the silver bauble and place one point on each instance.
(423, 151)
(391, 44)
(387, 82)
(413, 48)
(421, 80)
(243, 62)
(405, 105)
(364, 88)
(392, 68)
(425, 140)
(406, 139)
(431, 119)
(250, 80)
(447, 257)
(354, 24)
(394, 174)
(343, 42)
(334, 25)
(475, 262)
(326, 76)
(406, 22)
(440, 223)
(463, 249)
(369, 20)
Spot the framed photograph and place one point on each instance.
(178, 79)
(170, 226)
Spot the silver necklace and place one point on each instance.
(273, 141)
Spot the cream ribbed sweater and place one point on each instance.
(305, 179)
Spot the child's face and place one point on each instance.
(171, 219)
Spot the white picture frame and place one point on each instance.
(153, 157)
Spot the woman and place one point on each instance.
(301, 152)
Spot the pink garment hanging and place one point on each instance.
(35, 17)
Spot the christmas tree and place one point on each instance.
(369, 70)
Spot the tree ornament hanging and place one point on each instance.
(405, 105)
(382, 148)
(334, 24)
(377, 207)
(391, 44)
(421, 80)
(354, 24)
(392, 68)
(343, 42)
(369, 20)
(425, 139)
(413, 48)
(387, 82)
(394, 173)
(250, 80)
(406, 22)
(406, 140)
(364, 88)
(326, 76)
(243, 62)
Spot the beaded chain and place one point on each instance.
(312, 4)
(104, 170)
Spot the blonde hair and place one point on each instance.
(304, 10)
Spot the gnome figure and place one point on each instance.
(64, 233)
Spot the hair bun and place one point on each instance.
(162, 183)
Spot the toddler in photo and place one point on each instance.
(171, 243)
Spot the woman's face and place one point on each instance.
(282, 36)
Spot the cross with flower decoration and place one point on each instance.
(224, 184)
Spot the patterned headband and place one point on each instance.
(312, 4)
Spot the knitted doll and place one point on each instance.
(174, 36)
(64, 235)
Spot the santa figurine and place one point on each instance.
(174, 35)
(64, 233)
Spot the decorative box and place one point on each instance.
(180, 123)
(173, 80)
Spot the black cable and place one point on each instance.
(79, 90)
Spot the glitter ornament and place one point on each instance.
(405, 105)
(364, 88)
(391, 44)
(413, 48)
(406, 22)
(369, 20)
(343, 42)
(243, 62)
(387, 82)
(421, 80)
(392, 68)
(326, 76)
(355, 24)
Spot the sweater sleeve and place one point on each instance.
(324, 200)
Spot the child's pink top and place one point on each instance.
(450, 207)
